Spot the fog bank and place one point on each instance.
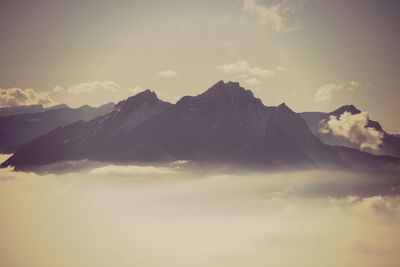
(171, 216)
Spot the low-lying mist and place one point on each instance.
(175, 216)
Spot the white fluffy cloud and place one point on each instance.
(16, 96)
(353, 128)
(167, 74)
(274, 16)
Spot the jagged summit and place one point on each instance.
(346, 108)
(230, 93)
(221, 88)
(283, 108)
(146, 95)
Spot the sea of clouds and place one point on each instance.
(109, 215)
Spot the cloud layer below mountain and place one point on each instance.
(172, 216)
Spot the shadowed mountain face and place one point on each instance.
(224, 125)
(389, 144)
(18, 129)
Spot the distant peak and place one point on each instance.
(283, 105)
(230, 93)
(109, 104)
(148, 92)
(346, 108)
(144, 95)
(55, 107)
(85, 107)
(131, 103)
(221, 82)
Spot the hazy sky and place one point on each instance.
(313, 55)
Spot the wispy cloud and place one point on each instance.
(326, 92)
(261, 72)
(167, 74)
(252, 81)
(234, 67)
(275, 16)
(136, 89)
(280, 68)
(353, 85)
(87, 88)
(248, 72)
(91, 87)
(83, 93)
(16, 97)
(229, 46)
(244, 67)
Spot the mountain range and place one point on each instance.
(29, 122)
(16, 110)
(225, 125)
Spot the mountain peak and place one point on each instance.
(144, 96)
(346, 108)
(146, 93)
(284, 109)
(222, 87)
(283, 105)
(228, 90)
